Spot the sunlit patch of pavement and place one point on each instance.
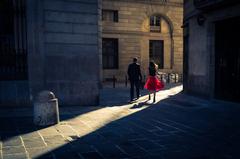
(141, 129)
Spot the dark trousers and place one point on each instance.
(137, 85)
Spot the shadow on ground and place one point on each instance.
(19, 124)
(175, 127)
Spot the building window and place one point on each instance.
(155, 23)
(110, 53)
(110, 15)
(156, 52)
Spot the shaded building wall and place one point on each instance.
(132, 32)
(63, 48)
(200, 58)
(14, 90)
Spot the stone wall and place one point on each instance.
(133, 33)
(201, 57)
(64, 55)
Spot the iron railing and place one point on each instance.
(164, 77)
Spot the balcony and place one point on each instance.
(155, 28)
(211, 4)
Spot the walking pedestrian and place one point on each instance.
(135, 78)
(153, 84)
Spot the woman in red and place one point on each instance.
(153, 84)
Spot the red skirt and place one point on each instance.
(153, 84)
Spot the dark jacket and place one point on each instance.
(134, 72)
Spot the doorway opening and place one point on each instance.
(13, 52)
(227, 60)
(14, 89)
(156, 52)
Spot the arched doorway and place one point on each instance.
(160, 40)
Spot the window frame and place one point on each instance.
(108, 55)
(109, 13)
(155, 23)
(161, 55)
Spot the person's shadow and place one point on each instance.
(141, 104)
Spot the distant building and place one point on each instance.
(147, 29)
(69, 47)
(212, 49)
(49, 45)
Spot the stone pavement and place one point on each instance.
(176, 126)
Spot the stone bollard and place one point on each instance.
(46, 109)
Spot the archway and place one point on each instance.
(158, 33)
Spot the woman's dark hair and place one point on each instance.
(152, 64)
(152, 68)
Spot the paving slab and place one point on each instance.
(37, 152)
(83, 147)
(13, 141)
(30, 135)
(49, 131)
(110, 150)
(147, 144)
(15, 156)
(55, 140)
(66, 130)
(91, 155)
(131, 149)
(34, 142)
(13, 150)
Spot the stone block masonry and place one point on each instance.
(67, 48)
(133, 33)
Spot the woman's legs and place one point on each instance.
(154, 96)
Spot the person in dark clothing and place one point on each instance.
(135, 77)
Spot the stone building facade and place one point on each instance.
(143, 29)
(50, 45)
(211, 48)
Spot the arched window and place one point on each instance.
(155, 23)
